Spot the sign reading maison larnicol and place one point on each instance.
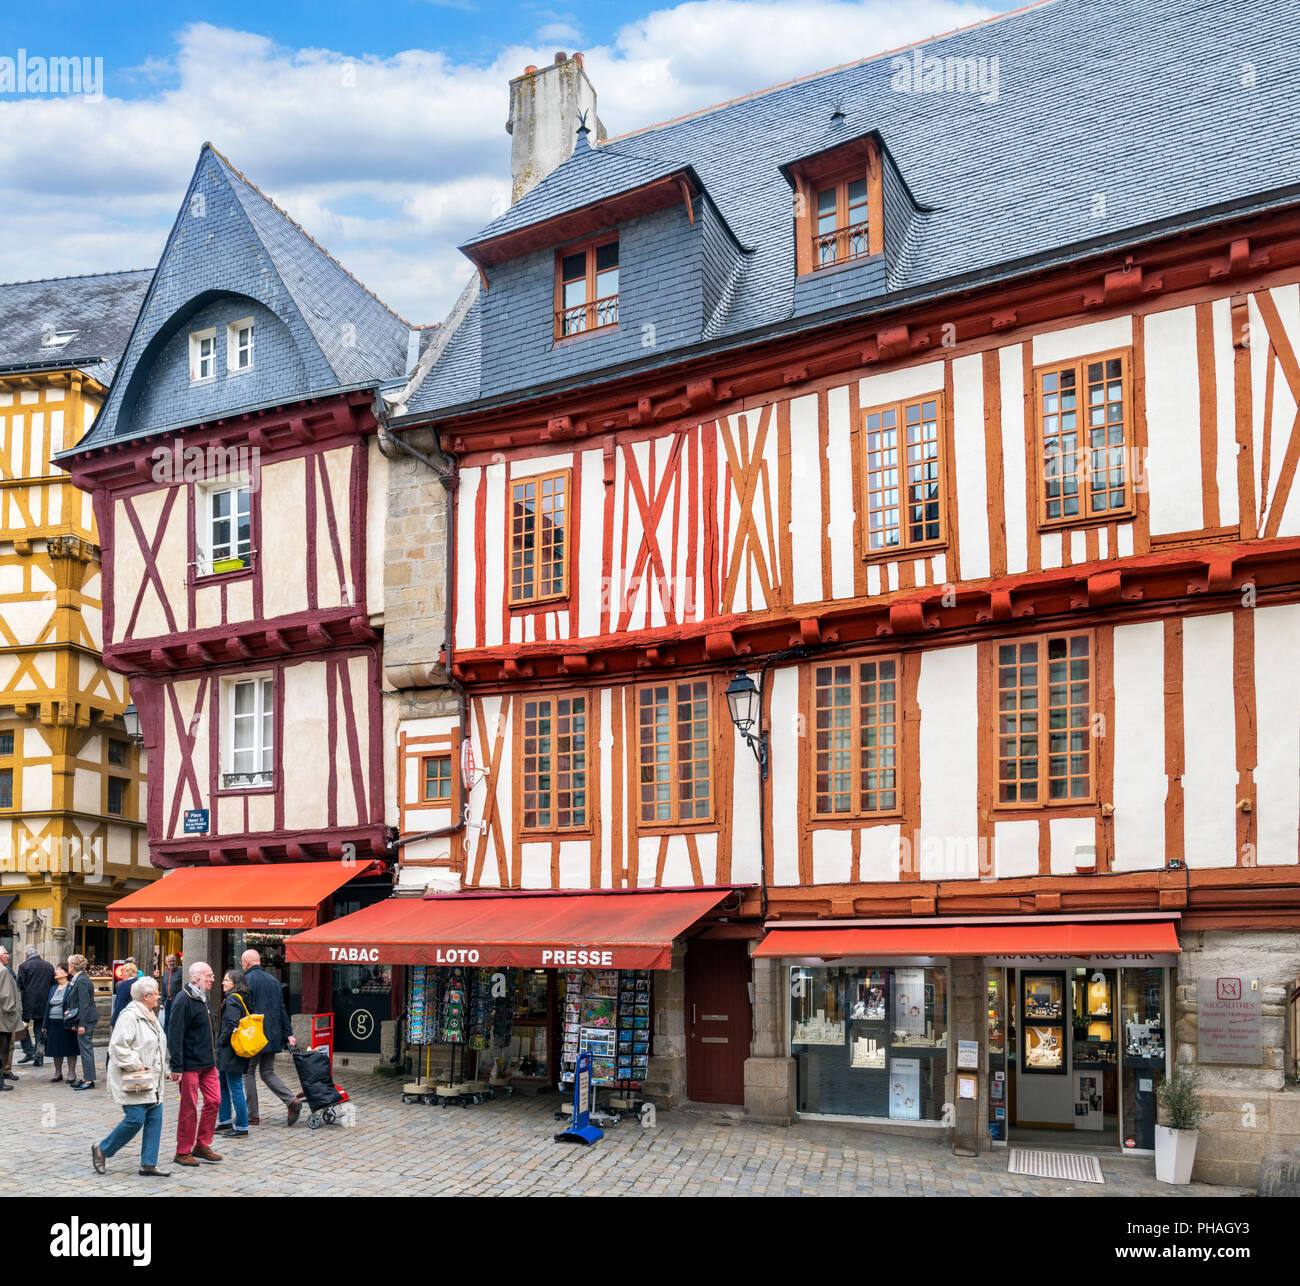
(1227, 1022)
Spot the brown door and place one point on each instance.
(719, 1024)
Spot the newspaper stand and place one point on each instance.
(581, 1129)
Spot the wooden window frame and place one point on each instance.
(562, 594)
(1085, 518)
(197, 339)
(432, 801)
(110, 743)
(857, 812)
(676, 822)
(587, 826)
(840, 166)
(226, 749)
(13, 787)
(1042, 685)
(588, 248)
(126, 795)
(906, 548)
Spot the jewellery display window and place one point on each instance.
(1042, 1014)
(870, 1040)
(1093, 1014)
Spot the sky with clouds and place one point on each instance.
(380, 129)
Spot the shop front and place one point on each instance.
(515, 985)
(982, 1027)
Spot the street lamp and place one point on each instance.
(131, 718)
(744, 702)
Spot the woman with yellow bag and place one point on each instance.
(232, 1116)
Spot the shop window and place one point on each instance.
(249, 752)
(538, 546)
(855, 738)
(1084, 410)
(1045, 752)
(674, 744)
(225, 536)
(1144, 1015)
(870, 1040)
(553, 763)
(6, 787)
(117, 796)
(6, 744)
(903, 476)
(586, 288)
(117, 752)
(436, 779)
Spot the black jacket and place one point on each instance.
(170, 984)
(232, 1014)
(35, 978)
(191, 1042)
(81, 997)
(268, 1000)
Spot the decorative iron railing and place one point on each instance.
(841, 246)
(584, 317)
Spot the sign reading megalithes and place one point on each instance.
(1228, 1026)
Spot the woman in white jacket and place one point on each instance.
(139, 1045)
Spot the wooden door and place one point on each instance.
(719, 1020)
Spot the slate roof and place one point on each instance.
(350, 338)
(1137, 105)
(101, 308)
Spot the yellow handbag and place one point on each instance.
(248, 1039)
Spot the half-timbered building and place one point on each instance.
(967, 433)
(237, 481)
(71, 779)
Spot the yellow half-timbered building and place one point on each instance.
(71, 778)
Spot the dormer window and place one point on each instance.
(203, 355)
(838, 207)
(239, 346)
(52, 337)
(586, 288)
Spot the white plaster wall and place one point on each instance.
(575, 864)
(186, 692)
(971, 467)
(283, 554)
(1173, 422)
(839, 455)
(1064, 834)
(1012, 376)
(467, 569)
(783, 781)
(832, 854)
(1277, 704)
(1278, 431)
(376, 502)
(1083, 341)
(878, 853)
(261, 813)
(949, 763)
(494, 573)
(588, 552)
(897, 385)
(304, 757)
(1209, 720)
(1138, 743)
(806, 517)
(1016, 848)
(608, 821)
(536, 872)
(1226, 416)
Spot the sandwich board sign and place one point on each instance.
(580, 1128)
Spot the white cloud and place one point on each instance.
(388, 162)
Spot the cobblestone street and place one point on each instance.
(506, 1148)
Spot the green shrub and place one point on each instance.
(1180, 1101)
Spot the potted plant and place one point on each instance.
(1176, 1141)
(227, 565)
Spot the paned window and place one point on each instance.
(554, 763)
(856, 738)
(203, 355)
(229, 529)
(117, 796)
(6, 787)
(239, 346)
(840, 233)
(1045, 752)
(904, 475)
(674, 745)
(249, 759)
(117, 752)
(437, 778)
(586, 288)
(6, 744)
(538, 549)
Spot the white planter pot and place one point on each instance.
(1175, 1154)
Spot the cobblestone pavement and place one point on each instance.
(507, 1148)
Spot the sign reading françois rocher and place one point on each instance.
(1228, 1028)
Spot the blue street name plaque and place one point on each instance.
(196, 821)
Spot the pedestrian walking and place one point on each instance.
(232, 1116)
(170, 983)
(35, 978)
(268, 1000)
(137, 1073)
(191, 1048)
(81, 1013)
(11, 1017)
(60, 1039)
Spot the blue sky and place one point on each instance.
(379, 127)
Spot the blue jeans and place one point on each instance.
(135, 1115)
(232, 1093)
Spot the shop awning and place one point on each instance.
(6, 901)
(1052, 940)
(283, 896)
(615, 929)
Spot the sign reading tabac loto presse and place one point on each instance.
(1228, 1027)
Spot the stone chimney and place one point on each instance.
(546, 105)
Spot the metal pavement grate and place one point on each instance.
(1055, 1165)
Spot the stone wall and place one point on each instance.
(1252, 1110)
(666, 1076)
(967, 1021)
(770, 1074)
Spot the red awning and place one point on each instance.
(1088, 938)
(283, 896)
(615, 929)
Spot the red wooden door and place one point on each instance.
(719, 1021)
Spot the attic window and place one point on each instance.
(52, 338)
(586, 288)
(838, 207)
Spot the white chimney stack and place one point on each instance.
(546, 108)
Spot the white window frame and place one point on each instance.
(258, 731)
(205, 518)
(233, 347)
(196, 355)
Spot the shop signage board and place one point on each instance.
(196, 821)
(180, 919)
(511, 955)
(1081, 962)
(580, 1128)
(1228, 1026)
